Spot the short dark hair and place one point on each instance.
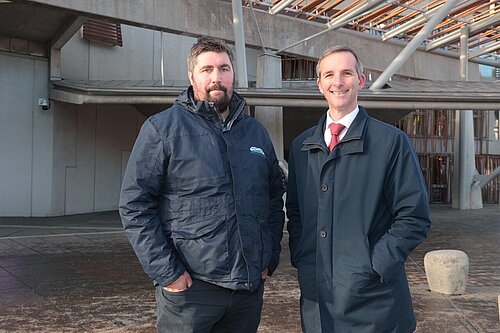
(337, 49)
(208, 44)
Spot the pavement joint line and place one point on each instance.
(417, 265)
(464, 317)
(54, 227)
(62, 235)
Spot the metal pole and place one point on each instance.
(459, 192)
(258, 29)
(475, 27)
(489, 48)
(413, 45)
(464, 50)
(162, 60)
(339, 22)
(239, 38)
(279, 7)
(460, 157)
(469, 195)
(409, 24)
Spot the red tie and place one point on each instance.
(335, 129)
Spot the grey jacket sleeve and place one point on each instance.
(139, 201)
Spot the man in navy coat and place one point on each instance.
(201, 202)
(356, 210)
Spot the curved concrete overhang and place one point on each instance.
(400, 95)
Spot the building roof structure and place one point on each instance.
(402, 20)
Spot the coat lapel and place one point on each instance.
(351, 143)
(316, 141)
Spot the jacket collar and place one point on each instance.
(317, 139)
(351, 143)
(208, 110)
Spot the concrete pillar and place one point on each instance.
(464, 161)
(239, 37)
(464, 53)
(269, 76)
(465, 193)
(55, 64)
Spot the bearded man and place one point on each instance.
(201, 202)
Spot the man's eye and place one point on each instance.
(348, 74)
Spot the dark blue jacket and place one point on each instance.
(204, 196)
(355, 214)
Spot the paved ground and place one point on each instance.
(79, 274)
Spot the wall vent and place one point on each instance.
(102, 31)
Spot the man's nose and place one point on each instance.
(337, 79)
(216, 75)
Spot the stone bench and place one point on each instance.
(447, 271)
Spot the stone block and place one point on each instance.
(447, 271)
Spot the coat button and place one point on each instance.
(322, 234)
(324, 187)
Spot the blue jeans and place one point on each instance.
(207, 308)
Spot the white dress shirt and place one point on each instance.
(346, 121)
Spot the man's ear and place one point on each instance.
(190, 77)
(319, 86)
(362, 81)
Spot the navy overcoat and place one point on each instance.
(355, 214)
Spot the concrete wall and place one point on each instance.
(65, 160)
(25, 139)
(91, 149)
(214, 18)
(138, 59)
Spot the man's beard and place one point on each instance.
(222, 102)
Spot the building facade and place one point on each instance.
(61, 158)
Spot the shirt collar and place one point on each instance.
(345, 120)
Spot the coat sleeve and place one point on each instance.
(276, 214)
(294, 225)
(406, 197)
(139, 200)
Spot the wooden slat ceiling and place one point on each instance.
(392, 14)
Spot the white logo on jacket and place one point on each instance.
(257, 151)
